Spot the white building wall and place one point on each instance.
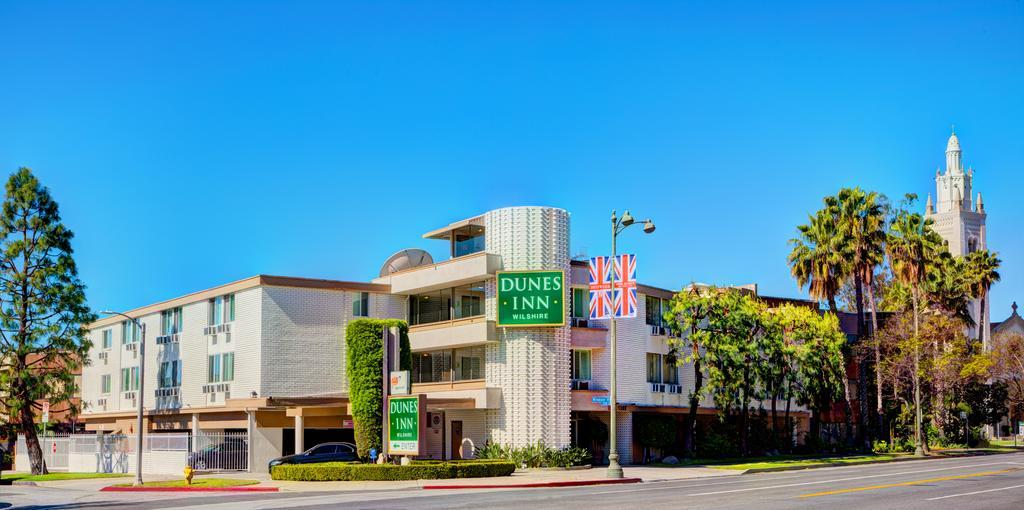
(530, 365)
(474, 430)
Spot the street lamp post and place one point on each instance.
(141, 394)
(618, 225)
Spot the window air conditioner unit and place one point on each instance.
(675, 388)
(658, 387)
(210, 330)
(579, 322)
(101, 403)
(578, 384)
(659, 331)
(132, 346)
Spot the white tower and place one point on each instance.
(957, 218)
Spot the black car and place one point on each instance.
(231, 454)
(324, 452)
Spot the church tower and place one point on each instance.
(957, 218)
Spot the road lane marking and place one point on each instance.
(975, 492)
(905, 484)
(865, 477)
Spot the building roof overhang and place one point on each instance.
(445, 232)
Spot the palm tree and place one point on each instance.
(983, 268)
(912, 246)
(862, 218)
(819, 257)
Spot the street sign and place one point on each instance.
(531, 298)
(407, 419)
(46, 412)
(400, 382)
(600, 400)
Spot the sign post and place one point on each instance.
(407, 421)
(531, 298)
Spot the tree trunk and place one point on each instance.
(981, 322)
(775, 415)
(832, 305)
(918, 436)
(745, 411)
(878, 362)
(859, 292)
(35, 452)
(690, 432)
(789, 426)
(849, 409)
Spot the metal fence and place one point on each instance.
(227, 451)
(115, 453)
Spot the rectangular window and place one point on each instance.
(654, 311)
(581, 364)
(431, 367)
(129, 332)
(580, 303)
(221, 310)
(213, 369)
(670, 371)
(469, 363)
(105, 384)
(653, 368)
(126, 383)
(469, 300)
(170, 321)
(361, 304)
(170, 374)
(428, 308)
(231, 307)
(107, 338)
(135, 378)
(229, 367)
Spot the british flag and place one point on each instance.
(624, 295)
(600, 288)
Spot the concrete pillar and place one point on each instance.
(195, 432)
(298, 435)
(250, 440)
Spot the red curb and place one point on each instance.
(571, 483)
(189, 489)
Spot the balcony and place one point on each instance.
(451, 334)
(447, 274)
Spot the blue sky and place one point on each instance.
(197, 143)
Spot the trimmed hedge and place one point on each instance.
(343, 471)
(364, 349)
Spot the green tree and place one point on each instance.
(862, 221)
(687, 317)
(364, 351)
(42, 308)
(819, 352)
(819, 259)
(912, 247)
(983, 268)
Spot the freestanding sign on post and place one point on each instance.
(531, 298)
(407, 417)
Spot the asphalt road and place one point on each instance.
(989, 482)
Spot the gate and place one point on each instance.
(227, 451)
(56, 449)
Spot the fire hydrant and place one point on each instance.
(188, 474)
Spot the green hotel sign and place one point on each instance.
(407, 416)
(531, 298)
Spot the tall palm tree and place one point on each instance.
(862, 221)
(983, 268)
(819, 257)
(912, 246)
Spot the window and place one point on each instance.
(170, 321)
(653, 368)
(170, 374)
(669, 370)
(213, 368)
(654, 309)
(130, 379)
(221, 310)
(467, 240)
(129, 332)
(469, 363)
(428, 308)
(107, 338)
(580, 303)
(228, 374)
(469, 300)
(105, 384)
(361, 304)
(431, 367)
(581, 364)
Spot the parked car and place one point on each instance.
(323, 452)
(233, 453)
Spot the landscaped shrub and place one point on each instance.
(364, 349)
(342, 471)
(535, 455)
(656, 431)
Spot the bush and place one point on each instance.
(343, 471)
(364, 351)
(535, 455)
(656, 431)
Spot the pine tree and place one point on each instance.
(42, 308)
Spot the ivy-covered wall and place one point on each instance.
(364, 358)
